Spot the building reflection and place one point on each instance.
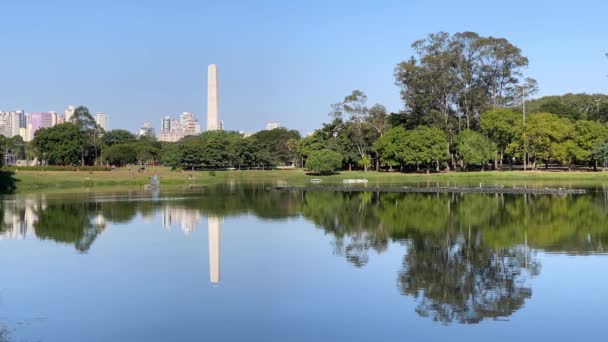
(19, 218)
(214, 227)
(186, 219)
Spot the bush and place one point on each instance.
(324, 161)
(212, 173)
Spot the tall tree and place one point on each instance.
(500, 125)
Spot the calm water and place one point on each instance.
(244, 264)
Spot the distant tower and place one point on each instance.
(214, 249)
(166, 124)
(213, 122)
(102, 120)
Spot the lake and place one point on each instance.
(240, 263)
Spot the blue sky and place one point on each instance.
(284, 61)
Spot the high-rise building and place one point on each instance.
(6, 127)
(60, 118)
(22, 122)
(174, 130)
(15, 123)
(53, 118)
(272, 125)
(213, 121)
(165, 124)
(146, 130)
(102, 120)
(9, 123)
(69, 112)
(40, 120)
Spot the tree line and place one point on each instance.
(465, 106)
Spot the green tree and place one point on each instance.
(359, 127)
(117, 136)
(120, 154)
(171, 155)
(458, 76)
(324, 161)
(89, 135)
(587, 135)
(540, 135)
(424, 145)
(391, 146)
(59, 145)
(500, 125)
(474, 148)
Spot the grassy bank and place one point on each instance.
(28, 181)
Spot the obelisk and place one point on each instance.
(214, 249)
(212, 98)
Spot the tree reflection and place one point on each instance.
(457, 279)
(467, 257)
(67, 223)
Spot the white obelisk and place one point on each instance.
(212, 99)
(214, 249)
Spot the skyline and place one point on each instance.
(280, 62)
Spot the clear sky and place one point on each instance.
(283, 61)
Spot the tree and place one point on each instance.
(273, 147)
(358, 126)
(324, 161)
(572, 106)
(59, 145)
(540, 135)
(587, 135)
(172, 155)
(458, 76)
(424, 145)
(500, 125)
(117, 136)
(378, 119)
(391, 146)
(89, 132)
(474, 148)
(600, 154)
(121, 154)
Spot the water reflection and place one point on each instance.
(214, 249)
(466, 258)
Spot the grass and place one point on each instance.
(32, 181)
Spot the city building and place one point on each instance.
(22, 122)
(6, 127)
(213, 121)
(175, 129)
(10, 123)
(60, 119)
(40, 120)
(146, 130)
(102, 120)
(246, 134)
(165, 125)
(68, 113)
(53, 118)
(272, 125)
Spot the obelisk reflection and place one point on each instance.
(214, 249)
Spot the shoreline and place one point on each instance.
(35, 181)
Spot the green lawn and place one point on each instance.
(27, 181)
